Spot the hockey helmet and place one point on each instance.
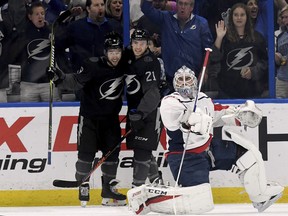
(78, 3)
(113, 41)
(185, 82)
(140, 34)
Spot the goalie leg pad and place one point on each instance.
(137, 198)
(171, 200)
(253, 175)
(179, 200)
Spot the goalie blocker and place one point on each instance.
(170, 200)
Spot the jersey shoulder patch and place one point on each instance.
(148, 59)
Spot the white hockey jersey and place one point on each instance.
(174, 108)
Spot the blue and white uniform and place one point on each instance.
(192, 152)
(173, 109)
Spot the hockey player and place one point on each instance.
(190, 136)
(143, 99)
(101, 81)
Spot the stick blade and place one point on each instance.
(66, 184)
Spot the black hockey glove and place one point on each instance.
(165, 88)
(136, 120)
(55, 74)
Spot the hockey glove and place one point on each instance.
(165, 88)
(55, 74)
(249, 114)
(136, 120)
(200, 122)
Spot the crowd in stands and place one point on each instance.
(236, 30)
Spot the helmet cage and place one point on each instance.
(185, 82)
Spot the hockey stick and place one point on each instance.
(52, 64)
(208, 51)
(71, 184)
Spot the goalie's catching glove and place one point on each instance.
(249, 114)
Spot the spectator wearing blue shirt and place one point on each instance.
(281, 57)
(184, 36)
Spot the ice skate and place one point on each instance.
(84, 193)
(110, 196)
(262, 206)
(276, 192)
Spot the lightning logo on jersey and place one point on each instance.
(133, 85)
(113, 87)
(39, 49)
(239, 58)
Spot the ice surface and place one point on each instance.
(220, 210)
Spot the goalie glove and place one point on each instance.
(199, 122)
(249, 114)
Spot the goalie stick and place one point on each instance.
(52, 64)
(208, 51)
(71, 184)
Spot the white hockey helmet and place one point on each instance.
(185, 82)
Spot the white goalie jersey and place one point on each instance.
(179, 118)
(176, 113)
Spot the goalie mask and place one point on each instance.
(185, 82)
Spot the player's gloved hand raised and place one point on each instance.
(249, 114)
(50, 73)
(55, 74)
(200, 122)
(136, 120)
